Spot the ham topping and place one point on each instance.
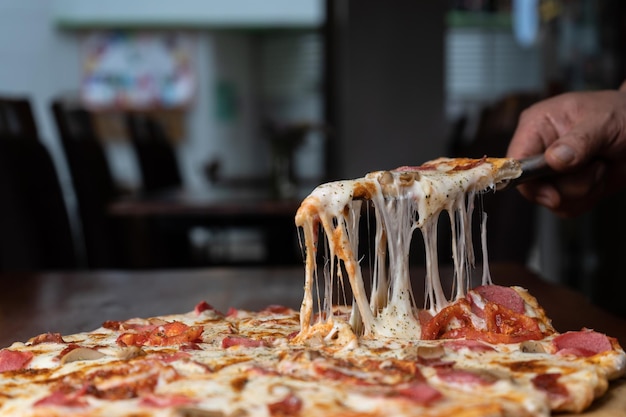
(12, 360)
(229, 341)
(463, 377)
(60, 398)
(418, 392)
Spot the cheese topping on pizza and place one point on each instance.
(404, 200)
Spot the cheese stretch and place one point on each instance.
(404, 200)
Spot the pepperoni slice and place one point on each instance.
(582, 343)
(549, 383)
(503, 296)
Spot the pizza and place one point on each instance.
(359, 345)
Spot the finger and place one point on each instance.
(533, 134)
(542, 193)
(590, 138)
(582, 184)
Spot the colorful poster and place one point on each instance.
(137, 70)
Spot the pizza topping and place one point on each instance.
(129, 352)
(288, 406)
(518, 327)
(277, 309)
(472, 345)
(162, 401)
(64, 399)
(418, 392)
(13, 360)
(549, 383)
(229, 341)
(78, 353)
(456, 314)
(46, 338)
(172, 333)
(112, 324)
(582, 343)
(497, 294)
(203, 306)
(532, 346)
(464, 377)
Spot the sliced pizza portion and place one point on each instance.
(404, 200)
(490, 313)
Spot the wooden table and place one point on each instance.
(231, 201)
(31, 304)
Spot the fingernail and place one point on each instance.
(563, 153)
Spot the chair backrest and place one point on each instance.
(17, 119)
(92, 179)
(34, 222)
(157, 159)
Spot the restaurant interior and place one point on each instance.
(157, 135)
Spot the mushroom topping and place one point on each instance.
(81, 354)
(532, 346)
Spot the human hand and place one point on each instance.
(583, 138)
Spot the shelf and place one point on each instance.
(193, 14)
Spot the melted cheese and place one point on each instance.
(404, 200)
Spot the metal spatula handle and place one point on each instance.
(532, 167)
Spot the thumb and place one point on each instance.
(574, 149)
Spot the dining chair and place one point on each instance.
(36, 233)
(93, 183)
(17, 119)
(157, 159)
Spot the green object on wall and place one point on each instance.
(225, 101)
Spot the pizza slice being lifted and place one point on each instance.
(404, 200)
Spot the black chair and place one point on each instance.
(36, 233)
(93, 183)
(17, 119)
(157, 159)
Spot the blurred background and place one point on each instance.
(153, 134)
